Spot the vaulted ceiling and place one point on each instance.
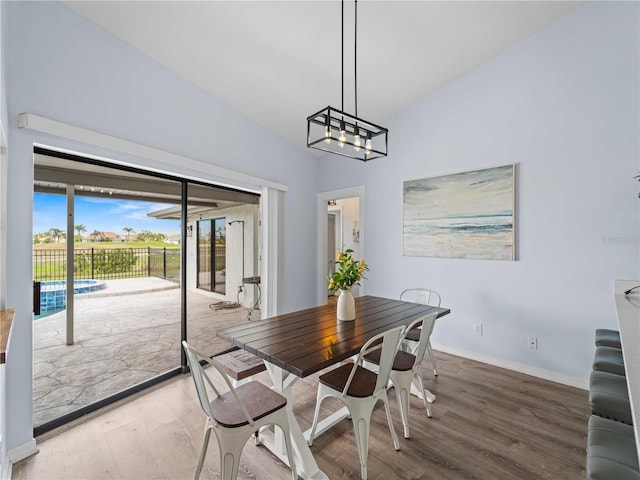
(280, 61)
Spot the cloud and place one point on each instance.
(134, 210)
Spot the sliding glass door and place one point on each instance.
(212, 253)
(134, 262)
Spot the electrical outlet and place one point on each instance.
(478, 329)
(532, 342)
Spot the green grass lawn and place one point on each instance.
(89, 245)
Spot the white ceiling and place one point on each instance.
(279, 61)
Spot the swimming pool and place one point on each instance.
(53, 294)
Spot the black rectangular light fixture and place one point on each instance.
(338, 132)
(334, 131)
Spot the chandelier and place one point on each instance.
(336, 131)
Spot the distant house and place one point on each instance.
(105, 237)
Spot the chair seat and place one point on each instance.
(362, 385)
(402, 362)
(608, 338)
(258, 399)
(609, 359)
(609, 397)
(413, 334)
(611, 451)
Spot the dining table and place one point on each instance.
(298, 344)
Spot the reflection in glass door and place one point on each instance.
(204, 254)
(212, 253)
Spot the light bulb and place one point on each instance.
(357, 143)
(343, 135)
(367, 145)
(327, 134)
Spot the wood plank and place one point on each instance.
(310, 340)
(488, 423)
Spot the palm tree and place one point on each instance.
(56, 234)
(128, 231)
(80, 229)
(96, 235)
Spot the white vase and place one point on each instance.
(346, 306)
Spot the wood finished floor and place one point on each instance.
(488, 423)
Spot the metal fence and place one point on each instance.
(108, 263)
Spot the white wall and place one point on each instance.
(3, 161)
(3, 234)
(563, 106)
(61, 66)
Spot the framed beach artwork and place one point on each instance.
(464, 215)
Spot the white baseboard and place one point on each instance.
(569, 380)
(22, 451)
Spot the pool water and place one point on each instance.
(53, 294)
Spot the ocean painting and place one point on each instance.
(464, 215)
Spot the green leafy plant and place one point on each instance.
(350, 272)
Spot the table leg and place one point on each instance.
(272, 439)
(327, 423)
(430, 396)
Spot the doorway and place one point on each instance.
(340, 227)
(334, 235)
(211, 255)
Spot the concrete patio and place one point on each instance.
(125, 334)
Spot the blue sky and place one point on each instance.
(103, 214)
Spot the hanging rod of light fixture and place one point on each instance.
(336, 131)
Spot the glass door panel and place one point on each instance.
(224, 224)
(204, 254)
(121, 326)
(220, 260)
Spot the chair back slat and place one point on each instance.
(389, 346)
(428, 322)
(423, 296)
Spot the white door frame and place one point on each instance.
(322, 208)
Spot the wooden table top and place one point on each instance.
(307, 341)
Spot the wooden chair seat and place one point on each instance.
(258, 399)
(402, 362)
(362, 385)
(413, 334)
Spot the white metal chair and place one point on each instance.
(235, 415)
(359, 389)
(406, 371)
(423, 296)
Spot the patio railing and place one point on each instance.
(108, 263)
